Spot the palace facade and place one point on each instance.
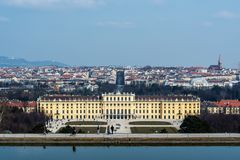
(118, 106)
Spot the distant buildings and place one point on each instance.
(25, 106)
(217, 67)
(71, 79)
(224, 107)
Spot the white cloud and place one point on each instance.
(55, 3)
(116, 24)
(3, 19)
(227, 15)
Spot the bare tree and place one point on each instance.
(1, 116)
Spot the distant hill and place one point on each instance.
(20, 62)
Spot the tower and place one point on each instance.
(220, 62)
(239, 67)
(120, 80)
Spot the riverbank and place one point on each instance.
(120, 140)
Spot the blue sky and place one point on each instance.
(122, 32)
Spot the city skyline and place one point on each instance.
(109, 32)
(21, 62)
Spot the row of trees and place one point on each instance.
(208, 94)
(211, 123)
(16, 121)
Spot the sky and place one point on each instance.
(122, 32)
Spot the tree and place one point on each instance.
(39, 128)
(221, 123)
(17, 121)
(1, 116)
(67, 129)
(193, 124)
(164, 130)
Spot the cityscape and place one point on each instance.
(123, 80)
(119, 96)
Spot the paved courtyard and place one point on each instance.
(120, 126)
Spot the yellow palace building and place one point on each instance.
(118, 106)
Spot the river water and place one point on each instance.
(119, 153)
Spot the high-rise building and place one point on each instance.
(120, 81)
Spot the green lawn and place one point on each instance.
(149, 123)
(84, 130)
(90, 130)
(153, 129)
(86, 123)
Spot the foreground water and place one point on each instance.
(119, 153)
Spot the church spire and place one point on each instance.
(220, 62)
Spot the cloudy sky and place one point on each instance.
(122, 32)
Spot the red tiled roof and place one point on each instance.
(228, 103)
(19, 104)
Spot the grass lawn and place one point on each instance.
(149, 123)
(86, 130)
(90, 130)
(153, 129)
(86, 123)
